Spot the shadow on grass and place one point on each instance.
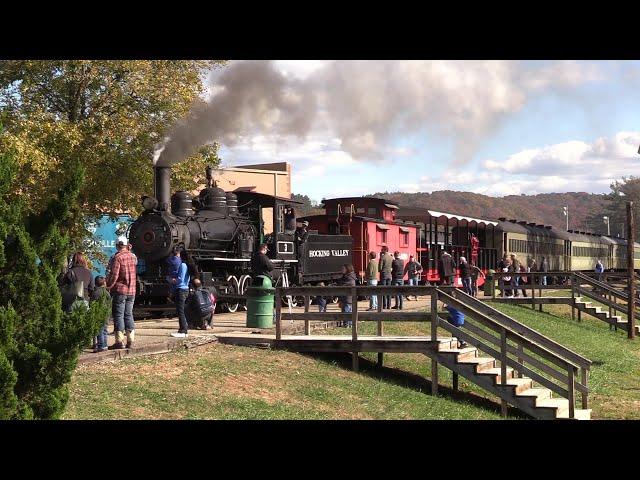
(410, 380)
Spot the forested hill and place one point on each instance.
(543, 208)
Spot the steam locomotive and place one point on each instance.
(221, 230)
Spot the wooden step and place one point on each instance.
(561, 405)
(482, 363)
(579, 414)
(461, 353)
(535, 393)
(497, 373)
(520, 384)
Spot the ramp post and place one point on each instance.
(434, 337)
(354, 326)
(380, 333)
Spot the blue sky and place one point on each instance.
(501, 127)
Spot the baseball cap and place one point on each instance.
(122, 241)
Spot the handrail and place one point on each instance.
(547, 362)
(604, 286)
(568, 368)
(526, 331)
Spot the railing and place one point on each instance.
(513, 344)
(603, 293)
(557, 349)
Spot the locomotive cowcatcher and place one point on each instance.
(221, 230)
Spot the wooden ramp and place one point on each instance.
(504, 357)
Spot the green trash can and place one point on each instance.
(260, 302)
(489, 283)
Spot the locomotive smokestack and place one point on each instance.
(162, 186)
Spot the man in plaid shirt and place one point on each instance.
(121, 282)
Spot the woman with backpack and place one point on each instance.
(77, 273)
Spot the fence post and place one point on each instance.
(434, 337)
(503, 368)
(354, 326)
(307, 323)
(533, 295)
(573, 297)
(278, 301)
(571, 384)
(380, 332)
(585, 379)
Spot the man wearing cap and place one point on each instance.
(260, 263)
(301, 233)
(121, 282)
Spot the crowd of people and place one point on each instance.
(194, 305)
(512, 285)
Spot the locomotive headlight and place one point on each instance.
(149, 203)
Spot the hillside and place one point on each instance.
(542, 208)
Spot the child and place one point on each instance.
(98, 293)
(173, 266)
(322, 302)
(456, 318)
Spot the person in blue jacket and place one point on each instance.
(180, 289)
(456, 318)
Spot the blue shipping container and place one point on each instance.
(105, 233)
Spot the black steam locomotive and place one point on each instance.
(221, 230)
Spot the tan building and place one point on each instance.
(268, 178)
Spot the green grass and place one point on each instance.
(225, 382)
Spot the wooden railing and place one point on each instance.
(603, 293)
(511, 343)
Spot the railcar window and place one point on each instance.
(372, 211)
(360, 210)
(404, 238)
(381, 236)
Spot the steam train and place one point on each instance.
(221, 230)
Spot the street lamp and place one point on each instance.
(606, 220)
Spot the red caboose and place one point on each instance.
(371, 222)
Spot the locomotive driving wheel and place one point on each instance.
(234, 289)
(245, 282)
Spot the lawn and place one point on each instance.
(224, 382)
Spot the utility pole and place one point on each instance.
(631, 272)
(565, 210)
(606, 220)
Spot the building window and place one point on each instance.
(381, 236)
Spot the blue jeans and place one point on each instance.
(466, 284)
(413, 281)
(373, 299)
(181, 298)
(322, 304)
(122, 311)
(399, 298)
(386, 299)
(347, 308)
(101, 339)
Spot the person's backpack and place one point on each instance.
(71, 291)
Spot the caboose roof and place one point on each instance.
(387, 203)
